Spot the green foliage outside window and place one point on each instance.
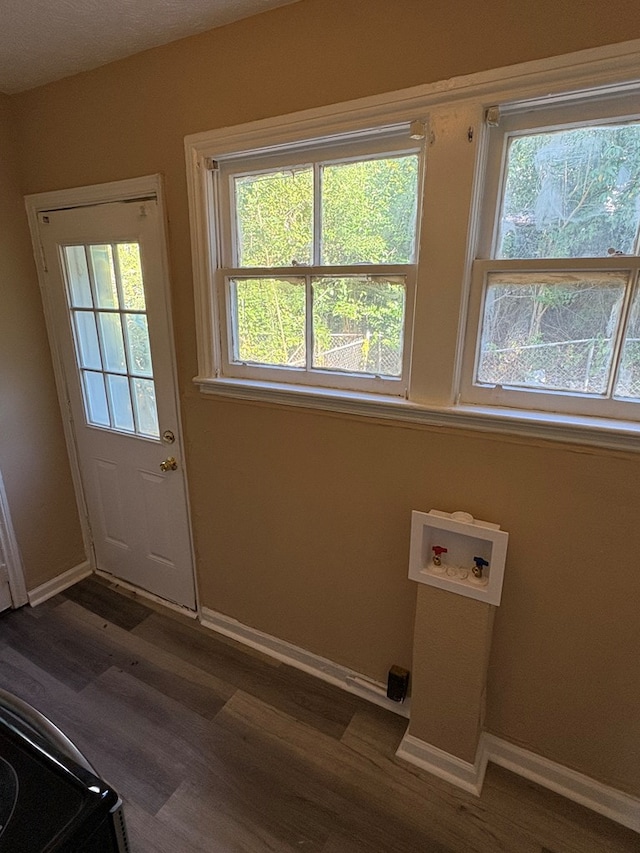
(367, 216)
(568, 194)
(572, 193)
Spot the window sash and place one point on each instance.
(393, 141)
(314, 376)
(531, 398)
(524, 119)
(517, 120)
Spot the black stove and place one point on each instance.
(51, 798)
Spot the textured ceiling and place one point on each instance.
(44, 40)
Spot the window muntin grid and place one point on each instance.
(287, 223)
(106, 300)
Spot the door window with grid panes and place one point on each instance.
(106, 299)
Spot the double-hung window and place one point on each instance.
(316, 266)
(555, 307)
(522, 311)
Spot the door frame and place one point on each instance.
(148, 186)
(10, 552)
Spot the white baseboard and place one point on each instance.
(601, 798)
(616, 805)
(58, 584)
(340, 676)
(442, 764)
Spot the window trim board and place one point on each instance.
(598, 433)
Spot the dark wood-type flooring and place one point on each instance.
(214, 747)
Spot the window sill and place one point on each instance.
(595, 432)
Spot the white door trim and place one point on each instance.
(10, 552)
(134, 188)
(150, 185)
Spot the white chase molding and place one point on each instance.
(442, 764)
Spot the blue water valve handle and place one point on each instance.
(480, 564)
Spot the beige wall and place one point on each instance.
(33, 458)
(301, 519)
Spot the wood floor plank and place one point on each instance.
(264, 794)
(43, 608)
(52, 647)
(24, 679)
(298, 694)
(338, 843)
(99, 599)
(276, 787)
(395, 820)
(148, 834)
(193, 629)
(127, 764)
(366, 736)
(269, 800)
(194, 688)
(212, 824)
(560, 825)
(155, 732)
(409, 797)
(375, 727)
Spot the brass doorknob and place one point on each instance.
(168, 464)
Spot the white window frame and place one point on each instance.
(590, 111)
(450, 240)
(391, 141)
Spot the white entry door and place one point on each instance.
(105, 279)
